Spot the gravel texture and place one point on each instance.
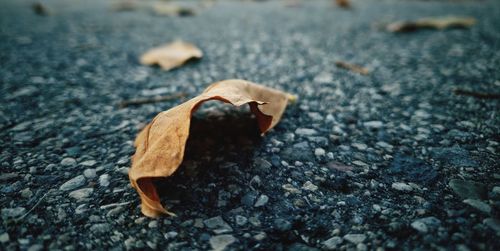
(390, 160)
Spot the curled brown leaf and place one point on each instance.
(160, 145)
(171, 55)
(352, 67)
(438, 23)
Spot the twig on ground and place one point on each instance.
(33, 208)
(481, 95)
(156, 99)
(352, 67)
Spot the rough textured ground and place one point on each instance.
(392, 160)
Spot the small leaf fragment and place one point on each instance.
(171, 9)
(160, 145)
(352, 67)
(172, 55)
(438, 23)
(343, 3)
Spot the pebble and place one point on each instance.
(319, 152)
(249, 199)
(355, 238)
(332, 243)
(100, 228)
(35, 247)
(68, 162)
(309, 186)
(218, 224)
(81, 194)
(261, 201)
(153, 224)
(493, 224)
(423, 225)
(419, 226)
(13, 212)
(373, 124)
(241, 220)
(467, 189)
(170, 235)
(282, 225)
(88, 163)
(26, 193)
(254, 221)
(90, 173)
(305, 132)
(359, 146)
(74, 183)
(4, 238)
(104, 180)
(479, 205)
(400, 186)
(221, 242)
(260, 236)
(495, 193)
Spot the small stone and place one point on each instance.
(170, 235)
(104, 180)
(241, 220)
(248, 199)
(90, 173)
(373, 124)
(305, 132)
(493, 224)
(360, 163)
(68, 162)
(260, 236)
(153, 224)
(467, 189)
(218, 224)
(290, 188)
(4, 238)
(26, 193)
(198, 223)
(359, 146)
(35, 247)
(400, 186)
(361, 247)
(419, 226)
(495, 193)
(355, 238)
(282, 225)
(261, 201)
(254, 221)
(479, 205)
(319, 152)
(332, 243)
(81, 194)
(309, 186)
(74, 183)
(220, 242)
(13, 212)
(88, 163)
(100, 228)
(262, 164)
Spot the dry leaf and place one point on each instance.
(438, 23)
(171, 55)
(343, 3)
(40, 9)
(171, 9)
(125, 5)
(352, 67)
(160, 145)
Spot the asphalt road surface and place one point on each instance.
(390, 160)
